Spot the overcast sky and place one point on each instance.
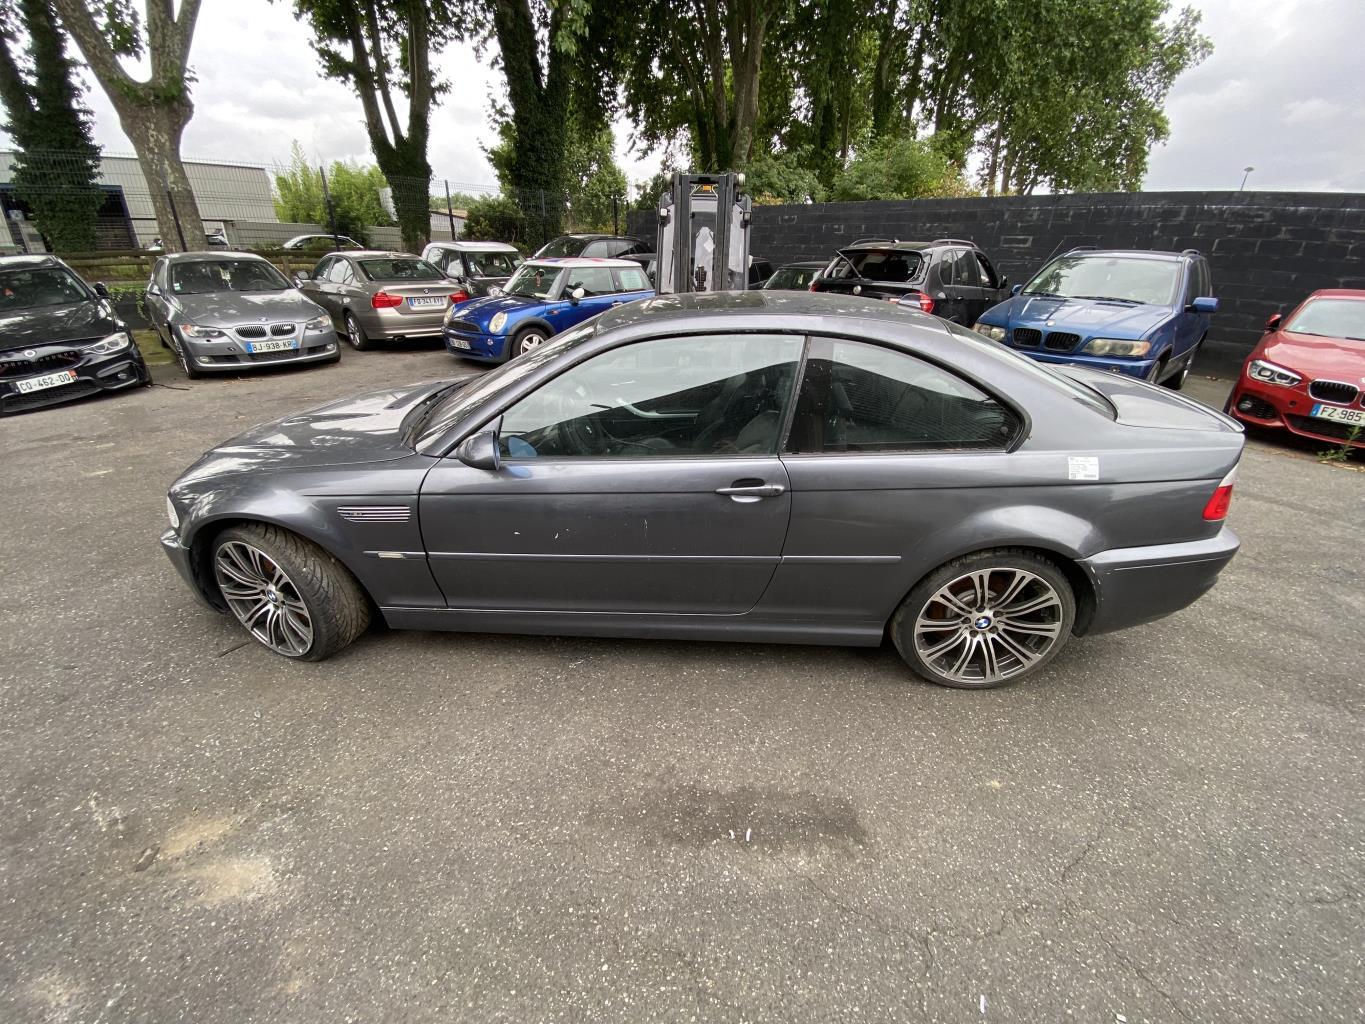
(1283, 92)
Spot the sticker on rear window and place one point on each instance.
(1082, 467)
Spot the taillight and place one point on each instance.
(383, 300)
(1217, 507)
(926, 303)
(457, 297)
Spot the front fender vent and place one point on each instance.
(375, 513)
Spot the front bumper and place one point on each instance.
(232, 353)
(93, 374)
(485, 348)
(184, 565)
(1266, 405)
(1137, 585)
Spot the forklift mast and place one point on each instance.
(704, 234)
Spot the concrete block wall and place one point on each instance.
(1266, 250)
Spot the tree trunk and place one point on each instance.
(155, 131)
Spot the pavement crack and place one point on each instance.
(1138, 970)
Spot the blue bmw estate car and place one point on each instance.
(1135, 312)
(543, 298)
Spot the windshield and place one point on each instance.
(564, 245)
(895, 265)
(460, 403)
(1330, 318)
(400, 268)
(492, 264)
(1115, 278)
(199, 277)
(41, 286)
(534, 281)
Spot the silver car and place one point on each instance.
(476, 266)
(376, 296)
(229, 311)
(766, 466)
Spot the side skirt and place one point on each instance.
(738, 628)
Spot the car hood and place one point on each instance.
(83, 321)
(1316, 357)
(483, 310)
(360, 429)
(225, 309)
(1086, 317)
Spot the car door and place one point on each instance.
(1189, 325)
(599, 294)
(315, 285)
(961, 286)
(644, 479)
(884, 450)
(992, 290)
(157, 300)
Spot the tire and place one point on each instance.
(972, 650)
(187, 363)
(287, 593)
(355, 334)
(1177, 382)
(525, 340)
(1158, 368)
(162, 338)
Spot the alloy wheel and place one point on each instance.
(529, 341)
(988, 625)
(264, 599)
(353, 333)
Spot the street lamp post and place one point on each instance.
(1246, 173)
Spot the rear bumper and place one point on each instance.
(1137, 585)
(388, 324)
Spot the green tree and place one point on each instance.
(153, 111)
(56, 169)
(381, 49)
(354, 189)
(784, 177)
(496, 219)
(899, 167)
(597, 186)
(298, 190)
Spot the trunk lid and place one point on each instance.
(1139, 404)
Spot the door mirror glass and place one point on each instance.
(101, 289)
(1205, 304)
(480, 451)
(1016, 289)
(152, 289)
(1005, 282)
(1273, 322)
(576, 294)
(301, 277)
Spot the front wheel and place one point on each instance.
(1177, 382)
(985, 619)
(531, 338)
(288, 593)
(187, 363)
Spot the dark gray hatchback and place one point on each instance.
(763, 466)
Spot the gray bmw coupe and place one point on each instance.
(765, 466)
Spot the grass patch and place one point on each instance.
(152, 351)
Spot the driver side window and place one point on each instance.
(666, 398)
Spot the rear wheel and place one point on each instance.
(355, 334)
(986, 619)
(288, 593)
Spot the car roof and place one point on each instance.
(362, 254)
(210, 254)
(1153, 254)
(1339, 293)
(805, 265)
(592, 237)
(19, 260)
(756, 303)
(583, 261)
(461, 246)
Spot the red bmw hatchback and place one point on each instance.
(1307, 374)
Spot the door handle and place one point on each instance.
(751, 492)
(614, 304)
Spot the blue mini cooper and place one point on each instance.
(1136, 312)
(543, 298)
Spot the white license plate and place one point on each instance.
(271, 346)
(427, 301)
(1338, 415)
(456, 342)
(47, 380)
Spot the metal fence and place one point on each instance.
(80, 206)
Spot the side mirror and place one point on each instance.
(1005, 282)
(301, 278)
(480, 451)
(1273, 321)
(101, 289)
(1016, 289)
(152, 289)
(1204, 304)
(576, 295)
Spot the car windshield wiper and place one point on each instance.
(1044, 295)
(418, 415)
(1110, 298)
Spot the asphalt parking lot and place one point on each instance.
(1167, 826)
